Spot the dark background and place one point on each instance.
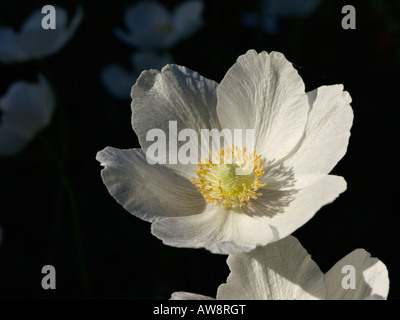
(54, 208)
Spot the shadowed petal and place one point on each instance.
(326, 136)
(217, 229)
(304, 205)
(371, 278)
(147, 191)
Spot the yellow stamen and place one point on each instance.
(220, 183)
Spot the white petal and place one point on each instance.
(75, 22)
(300, 207)
(118, 81)
(39, 43)
(371, 278)
(265, 93)
(282, 270)
(217, 229)
(27, 107)
(141, 18)
(9, 51)
(187, 18)
(34, 22)
(181, 295)
(148, 24)
(33, 42)
(326, 136)
(271, 203)
(375, 297)
(174, 94)
(147, 191)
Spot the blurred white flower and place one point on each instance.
(34, 42)
(283, 270)
(299, 137)
(151, 25)
(273, 10)
(25, 109)
(119, 81)
(276, 9)
(289, 8)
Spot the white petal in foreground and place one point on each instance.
(189, 296)
(26, 108)
(219, 230)
(283, 270)
(279, 271)
(371, 278)
(265, 93)
(146, 190)
(34, 42)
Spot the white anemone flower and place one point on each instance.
(25, 109)
(33, 42)
(151, 25)
(119, 81)
(283, 270)
(299, 137)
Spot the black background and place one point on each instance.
(54, 208)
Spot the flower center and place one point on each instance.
(231, 178)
